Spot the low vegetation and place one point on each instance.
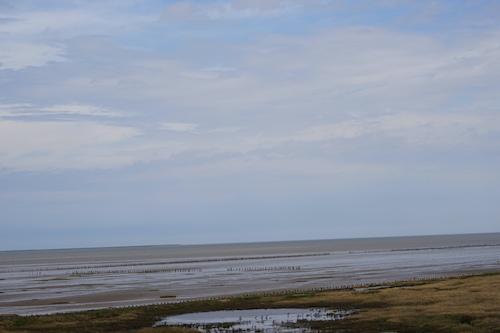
(452, 305)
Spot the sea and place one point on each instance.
(63, 280)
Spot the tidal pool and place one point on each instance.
(256, 320)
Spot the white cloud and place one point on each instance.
(20, 55)
(80, 109)
(410, 130)
(61, 145)
(23, 32)
(210, 73)
(331, 74)
(38, 22)
(26, 109)
(237, 9)
(42, 145)
(85, 18)
(229, 129)
(179, 127)
(335, 85)
(434, 130)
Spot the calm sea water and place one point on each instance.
(75, 279)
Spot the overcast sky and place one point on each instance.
(152, 122)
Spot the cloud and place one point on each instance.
(80, 109)
(279, 93)
(409, 131)
(75, 19)
(21, 55)
(29, 23)
(229, 129)
(238, 9)
(46, 145)
(433, 130)
(27, 34)
(179, 127)
(310, 104)
(42, 145)
(29, 110)
(328, 74)
(211, 73)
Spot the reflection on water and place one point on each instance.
(256, 320)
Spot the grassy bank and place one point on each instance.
(464, 304)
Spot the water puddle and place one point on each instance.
(256, 320)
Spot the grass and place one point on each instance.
(452, 305)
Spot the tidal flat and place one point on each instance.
(452, 305)
(50, 281)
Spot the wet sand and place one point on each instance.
(79, 279)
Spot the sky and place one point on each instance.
(127, 122)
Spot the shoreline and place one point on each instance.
(123, 278)
(263, 293)
(466, 303)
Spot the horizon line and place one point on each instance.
(246, 242)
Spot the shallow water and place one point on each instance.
(33, 282)
(255, 320)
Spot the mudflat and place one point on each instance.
(451, 305)
(41, 282)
